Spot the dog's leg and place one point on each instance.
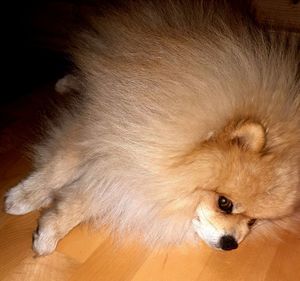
(69, 211)
(30, 194)
(36, 191)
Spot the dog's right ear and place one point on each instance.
(249, 135)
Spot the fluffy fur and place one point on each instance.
(182, 101)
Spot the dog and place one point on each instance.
(187, 128)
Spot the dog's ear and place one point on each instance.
(249, 135)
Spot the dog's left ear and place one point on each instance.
(249, 135)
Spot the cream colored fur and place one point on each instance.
(167, 90)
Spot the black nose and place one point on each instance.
(228, 243)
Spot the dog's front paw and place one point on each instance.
(16, 202)
(44, 242)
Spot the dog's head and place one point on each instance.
(245, 182)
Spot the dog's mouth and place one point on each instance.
(213, 239)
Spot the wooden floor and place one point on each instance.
(85, 255)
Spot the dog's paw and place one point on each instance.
(16, 202)
(44, 242)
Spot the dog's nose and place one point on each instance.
(228, 243)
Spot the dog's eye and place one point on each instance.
(251, 222)
(225, 204)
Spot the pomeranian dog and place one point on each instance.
(187, 127)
